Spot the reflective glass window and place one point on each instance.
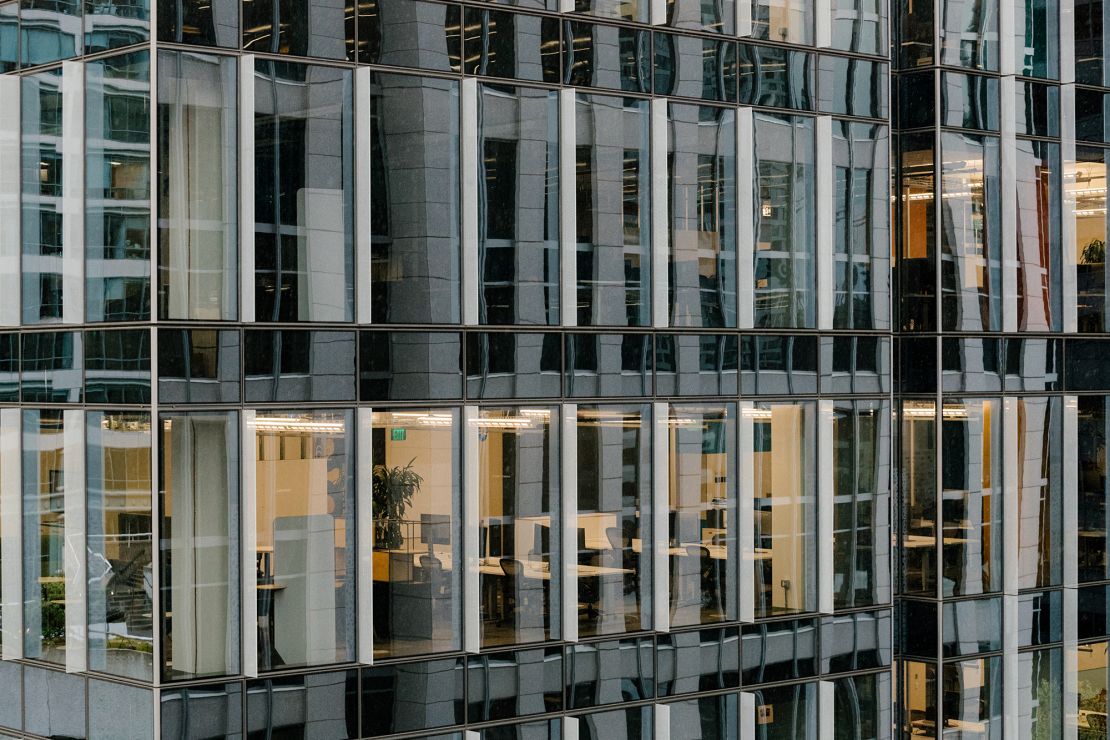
(293, 365)
(197, 187)
(197, 712)
(614, 519)
(117, 366)
(788, 711)
(781, 460)
(856, 87)
(613, 57)
(1091, 681)
(519, 525)
(777, 365)
(204, 22)
(626, 724)
(1038, 109)
(120, 543)
(313, 28)
(705, 718)
(513, 365)
(861, 503)
(695, 15)
(1040, 491)
(412, 696)
(398, 365)
(608, 364)
(9, 36)
(1092, 115)
(1089, 191)
(696, 364)
(784, 221)
(917, 231)
(701, 179)
(919, 498)
(518, 206)
(1040, 618)
(613, 195)
(517, 684)
(860, 25)
(775, 76)
(52, 367)
(513, 45)
(114, 23)
(323, 706)
(694, 67)
(50, 31)
(969, 34)
(970, 626)
(856, 641)
(627, 10)
(971, 225)
(969, 101)
(861, 706)
(303, 160)
(610, 672)
(1094, 495)
(417, 554)
(1039, 189)
(779, 651)
(859, 364)
(198, 544)
(701, 660)
(117, 188)
(861, 254)
(918, 627)
(414, 215)
(703, 555)
(9, 367)
(918, 696)
(198, 366)
(790, 21)
(304, 580)
(972, 696)
(409, 33)
(974, 364)
(44, 523)
(1040, 708)
(1090, 42)
(916, 35)
(1037, 37)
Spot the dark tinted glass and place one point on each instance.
(704, 660)
(1094, 612)
(9, 367)
(1085, 368)
(52, 365)
(500, 43)
(204, 22)
(611, 57)
(915, 200)
(695, 67)
(968, 35)
(199, 712)
(513, 365)
(916, 35)
(291, 706)
(773, 76)
(198, 366)
(860, 706)
(630, 724)
(117, 366)
(294, 365)
(409, 33)
(696, 365)
(696, 15)
(1091, 119)
(609, 672)
(972, 627)
(855, 364)
(110, 24)
(398, 366)
(412, 696)
(1038, 109)
(778, 651)
(856, 87)
(1033, 364)
(608, 364)
(1040, 618)
(973, 365)
(856, 641)
(1093, 512)
(969, 101)
(516, 684)
(916, 94)
(917, 628)
(50, 31)
(917, 365)
(313, 28)
(778, 365)
(707, 717)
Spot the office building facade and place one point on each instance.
(553, 369)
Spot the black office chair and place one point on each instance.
(513, 595)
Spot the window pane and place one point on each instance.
(519, 525)
(973, 696)
(971, 483)
(305, 538)
(412, 696)
(860, 25)
(294, 365)
(614, 519)
(199, 544)
(784, 225)
(705, 718)
(917, 224)
(782, 460)
(1040, 267)
(919, 699)
(610, 672)
(417, 543)
(628, 10)
(696, 365)
(702, 181)
(197, 187)
(969, 33)
(44, 520)
(518, 218)
(613, 213)
(1041, 678)
(117, 366)
(119, 569)
(1092, 685)
(861, 707)
(608, 364)
(1037, 27)
(698, 660)
(113, 23)
(117, 188)
(1093, 512)
(788, 711)
(205, 22)
(513, 365)
(198, 366)
(409, 33)
(290, 706)
(1040, 491)
(50, 31)
(613, 57)
(404, 365)
(414, 216)
(702, 525)
(312, 28)
(52, 367)
(207, 711)
(302, 206)
(500, 43)
(782, 20)
(514, 684)
(696, 15)
(1089, 192)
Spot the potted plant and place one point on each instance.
(392, 492)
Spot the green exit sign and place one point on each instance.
(398, 435)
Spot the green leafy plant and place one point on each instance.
(53, 613)
(1094, 253)
(392, 492)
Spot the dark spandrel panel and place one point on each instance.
(110, 24)
(971, 627)
(778, 651)
(407, 365)
(917, 628)
(1091, 119)
(1038, 109)
(855, 364)
(409, 33)
(695, 67)
(855, 87)
(696, 365)
(1086, 368)
(969, 101)
(628, 724)
(9, 367)
(917, 365)
(704, 660)
(51, 367)
(778, 365)
(695, 15)
(502, 43)
(198, 366)
(707, 717)
(1093, 609)
(916, 98)
(1040, 618)
(616, 58)
(414, 218)
(412, 696)
(120, 711)
(312, 28)
(856, 641)
(973, 365)
(11, 698)
(513, 365)
(295, 365)
(514, 684)
(50, 31)
(201, 712)
(203, 22)
(775, 77)
(606, 365)
(610, 672)
(59, 706)
(917, 34)
(1033, 364)
(9, 37)
(542, 730)
(320, 706)
(117, 366)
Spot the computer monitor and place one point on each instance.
(435, 529)
(542, 545)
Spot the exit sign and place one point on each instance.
(397, 435)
